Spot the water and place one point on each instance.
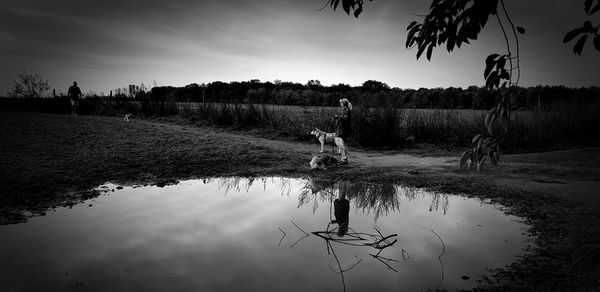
(269, 234)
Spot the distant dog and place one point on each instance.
(323, 162)
(325, 138)
(126, 118)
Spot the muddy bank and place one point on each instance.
(53, 160)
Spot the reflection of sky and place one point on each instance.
(193, 236)
(108, 44)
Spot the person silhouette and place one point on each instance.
(343, 128)
(74, 94)
(341, 207)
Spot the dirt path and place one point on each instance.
(573, 174)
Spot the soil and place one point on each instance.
(54, 160)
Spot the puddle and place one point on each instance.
(267, 234)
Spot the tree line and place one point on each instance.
(370, 93)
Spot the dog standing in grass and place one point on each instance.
(324, 137)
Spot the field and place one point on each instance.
(53, 160)
(559, 127)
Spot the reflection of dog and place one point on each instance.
(323, 162)
(126, 118)
(325, 138)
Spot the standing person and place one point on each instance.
(74, 94)
(343, 128)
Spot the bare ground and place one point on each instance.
(53, 160)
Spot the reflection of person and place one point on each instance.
(343, 128)
(341, 207)
(74, 93)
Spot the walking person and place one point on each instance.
(74, 94)
(343, 128)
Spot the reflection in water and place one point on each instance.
(380, 199)
(221, 234)
(376, 199)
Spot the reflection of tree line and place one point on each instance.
(378, 199)
(243, 184)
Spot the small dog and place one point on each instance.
(126, 118)
(325, 138)
(323, 162)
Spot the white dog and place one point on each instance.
(326, 138)
(126, 118)
(323, 162)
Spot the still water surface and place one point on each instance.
(266, 234)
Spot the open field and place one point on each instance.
(53, 160)
(557, 128)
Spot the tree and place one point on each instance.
(375, 86)
(29, 86)
(456, 22)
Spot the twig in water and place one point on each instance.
(298, 227)
(348, 269)
(377, 257)
(299, 239)
(281, 237)
(441, 254)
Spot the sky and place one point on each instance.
(112, 43)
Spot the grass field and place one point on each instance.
(378, 126)
(54, 160)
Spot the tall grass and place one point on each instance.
(386, 126)
(373, 126)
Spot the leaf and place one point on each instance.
(358, 11)
(595, 9)
(493, 80)
(411, 33)
(476, 139)
(421, 49)
(480, 164)
(334, 4)
(501, 62)
(430, 51)
(489, 118)
(450, 44)
(489, 65)
(572, 34)
(587, 5)
(464, 157)
(578, 48)
(411, 25)
(490, 59)
(521, 30)
(346, 5)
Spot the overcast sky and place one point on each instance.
(112, 43)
